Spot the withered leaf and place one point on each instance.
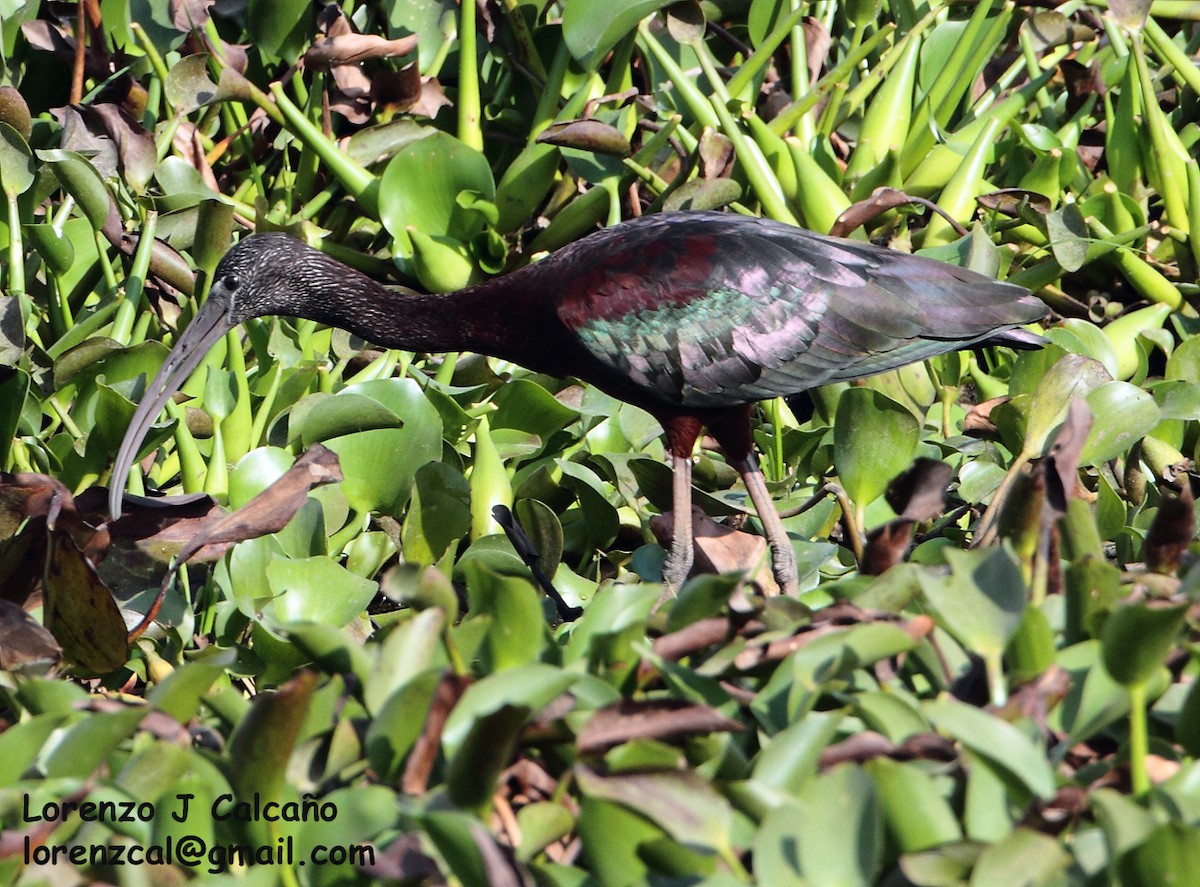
(1171, 532)
(978, 421)
(270, 510)
(663, 719)
(187, 15)
(79, 609)
(351, 49)
(863, 211)
(1062, 465)
(919, 494)
(587, 135)
(25, 646)
(720, 549)
(1013, 202)
(886, 546)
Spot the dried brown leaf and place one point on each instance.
(1013, 202)
(886, 546)
(270, 510)
(1170, 534)
(25, 646)
(978, 421)
(663, 719)
(188, 15)
(425, 750)
(919, 493)
(353, 49)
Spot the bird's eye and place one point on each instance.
(231, 281)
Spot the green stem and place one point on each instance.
(469, 130)
(1139, 740)
(354, 178)
(993, 662)
(127, 313)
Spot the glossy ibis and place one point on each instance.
(692, 316)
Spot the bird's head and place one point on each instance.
(262, 274)
(258, 276)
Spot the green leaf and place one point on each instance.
(1071, 377)
(420, 189)
(1169, 855)
(439, 513)
(998, 741)
(1069, 237)
(592, 27)
(518, 630)
(316, 589)
(379, 465)
(917, 814)
(530, 686)
(85, 744)
(981, 600)
(81, 181)
(16, 162)
(1024, 857)
(875, 439)
(279, 28)
(841, 833)
(1137, 638)
(1122, 415)
(681, 803)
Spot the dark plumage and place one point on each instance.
(692, 316)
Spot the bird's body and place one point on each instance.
(692, 316)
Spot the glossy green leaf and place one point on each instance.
(1137, 638)
(316, 589)
(420, 189)
(591, 27)
(917, 815)
(1123, 414)
(440, 513)
(982, 599)
(874, 440)
(996, 740)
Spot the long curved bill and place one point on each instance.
(210, 323)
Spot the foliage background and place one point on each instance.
(1020, 711)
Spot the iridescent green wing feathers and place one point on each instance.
(708, 311)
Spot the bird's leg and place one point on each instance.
(783, 557)
(679, 559)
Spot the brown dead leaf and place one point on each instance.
(663, 719)
(25, 646)
(716, 154)
(919, 493)
(586, 135)
(863, 211)
(188, 15)
(866, 745)
(978, 421)
(817, 44)
(403, 860)
(268, 512)
(1013, 202)
(79, 609)
(353, 49)
(424, 752)
(1171, 532)
(720, 549)
(1062, 465)
(886, 546)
